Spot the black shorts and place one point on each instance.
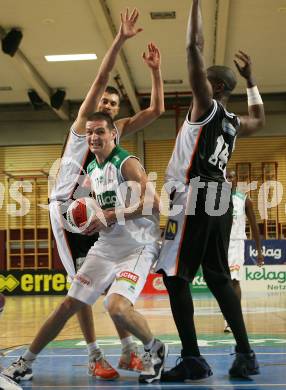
(205, 241)
(79, 246)
(201, 238)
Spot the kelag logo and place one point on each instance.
(199, 281)
(268, 278)
(267, 252)
(274, 252)
(264, 274)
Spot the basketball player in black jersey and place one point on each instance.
(201, 238)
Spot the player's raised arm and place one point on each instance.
(143, 118)
(127, 30)
(256, 117)
(201, 88)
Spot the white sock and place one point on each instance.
(92, 348)
(149, 345)
(29, 356)
(127, 341)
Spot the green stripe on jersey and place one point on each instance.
(116, 157)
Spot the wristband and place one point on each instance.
(253, 96)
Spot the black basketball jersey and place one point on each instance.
(203, 148)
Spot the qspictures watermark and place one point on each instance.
(217, 198)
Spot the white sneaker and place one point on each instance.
(130, 359)
(153, 362)
(99, 367)
(7, 383)
(19, 370)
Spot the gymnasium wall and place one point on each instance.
(158, 142)
(41, 144)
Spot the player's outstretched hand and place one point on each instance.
(153, 57)
(128, 27)
(243, 64)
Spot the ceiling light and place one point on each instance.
(4, 88)
(71, 57)
(163, 15)
(173, 81)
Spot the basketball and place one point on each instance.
(2, 302)
(81, 211)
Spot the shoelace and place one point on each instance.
(147, 359)
(105, 363)
(179, 360)
(97, 355)
(18, 363)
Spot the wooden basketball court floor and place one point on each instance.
(63, 364)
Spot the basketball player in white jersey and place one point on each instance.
(198, 231)
(242, 208)
(126, 249)
(74, 247)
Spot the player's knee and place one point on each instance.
(69, 306)
(117, 307)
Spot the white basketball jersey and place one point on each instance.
(239, 218)
(71, 166)
(110, 189)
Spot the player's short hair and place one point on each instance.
(102, 116)
(223, 74)
(112, 90)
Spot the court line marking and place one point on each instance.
(160, 385)
(117, 355)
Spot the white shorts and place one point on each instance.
(61, 238)
(72, 247)
(236, 258)
(168, 259)
(127, 276)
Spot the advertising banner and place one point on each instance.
(267, 278)
(31, 282)
(154, 285)
(270, 277)
(274, 252)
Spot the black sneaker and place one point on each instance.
(19, 370)
(244, 364)
(153, 363)
(189, 368)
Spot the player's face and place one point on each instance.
(231, 177)
(99, 137)
(109, 103)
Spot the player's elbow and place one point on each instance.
(260, 123)
(157, 110)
